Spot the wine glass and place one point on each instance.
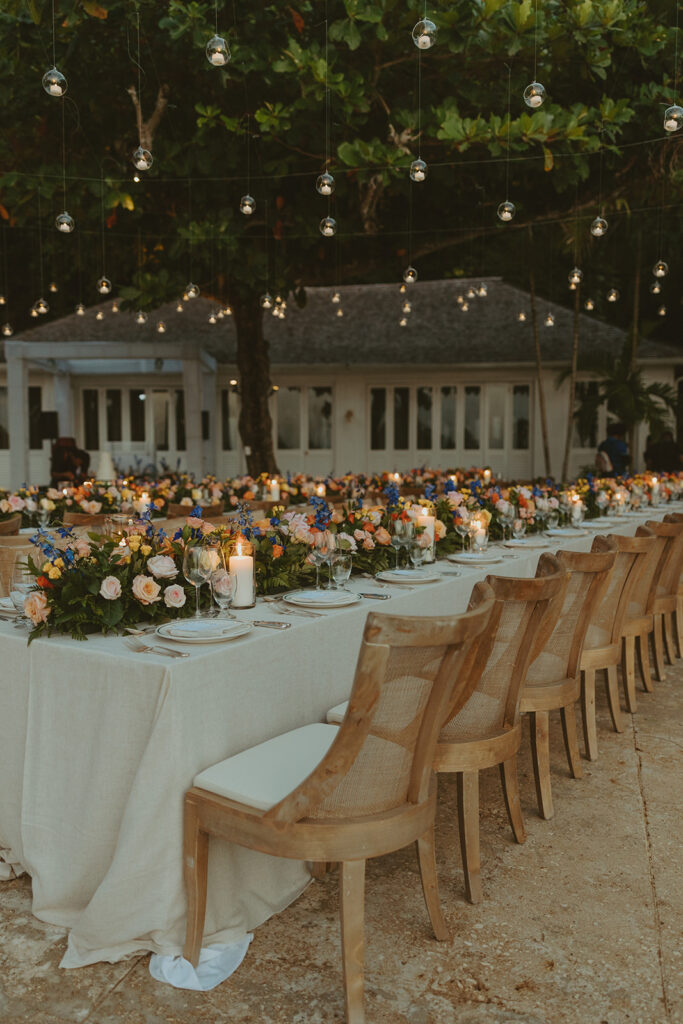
(404, 531)
(506, 516)
(552, 519)
(223, 590)
(341, 570)
(461, 522)
(417, 554)
(518, 528)
(324, 545)
(196, 569)
(22, 583)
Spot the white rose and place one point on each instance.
(162, 567)
(146, 590)
(174, 596)
(110, 588)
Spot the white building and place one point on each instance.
(356, 393)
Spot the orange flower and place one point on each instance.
(369, 528)
(277, 551)
(248, 495)
(44, 582)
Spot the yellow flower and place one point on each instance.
(484, 514)
(134, 542)
(146, 549)
(54, 573)
(46, 566)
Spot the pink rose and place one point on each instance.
(174, 596)
(36, 607)
(162, 567)
(110, 588)
(146, 590)
(382, 536)
(359, 535)
(16, 502)
(368, 544)
(81, 547)
(194, 522)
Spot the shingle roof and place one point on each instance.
(437, 332)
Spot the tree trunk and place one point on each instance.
(539, 364)
(253, 366)
(572, 386)
(634, 340)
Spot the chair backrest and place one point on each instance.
(607, 622)
(408, 670)
(12, 549)
(10, 526)
(668, 570)
(642, 593)
(84, 518)
(557, 653)
(521, 607)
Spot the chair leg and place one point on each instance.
(426, 856)
(540, 752)
(658, 644)
(352, 895)
(571, 743)
(644, 662)
(667, 619)
(196, 862)
(508, 777)
(678, 622)
(590, 730)
(468, 820)
(628, 672)
(612, 684)
(319, 869)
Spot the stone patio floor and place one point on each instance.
(581, 925)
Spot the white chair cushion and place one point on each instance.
(335, 716)
(263, 775)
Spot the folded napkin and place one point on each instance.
(201, 629)
(216, 963)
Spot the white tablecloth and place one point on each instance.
(98, 745)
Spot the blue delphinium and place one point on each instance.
(323, 513)
(391, 494)
(430, 492)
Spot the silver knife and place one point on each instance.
(272, 625)
(377, 597)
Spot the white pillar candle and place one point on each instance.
(274, 490)
(487, 476)
(428, 521)
(321, 490)
(242, 567)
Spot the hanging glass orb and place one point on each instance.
(410, 275)
(42, 307)
(576, 276)
(191, 291)
(281, 313)
(661, 268)
(220, 314)
(3, 300)
(589, 305)
(402, 289)
(340, 312)
(212, 318)
(136, 178)
(34, 312)
(613, 295)
(266, 301)
(418, 170)
(179, 306)
(507, 210)
(52, 287)
(483, 291)
(115, 306)
(80, 309)
(655, 287)
(54, 83)
(328, 227)
(325, 184)
(99, 315)
(161, 327)
(65, 223)
(403, 322)
(470, 293)
(275, 310)
(460, 300)
(141, 317)
(534, 94)
(465, 306)
(521, 316)
(549, 320)
(424, 34)
(407, 308)
(673, 118)
(217, 52)
(142, 158)
(573, 286)
(7, 330)
(336, 298)
(247, 205)
(104, 285)
(599, 227)
(661, 311)
(227, 310)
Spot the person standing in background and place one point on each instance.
(615, 451)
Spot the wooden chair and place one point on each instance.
(12, 549)
(176, 511)
(486, 731)
(10, 527)
(665, 591)
(677, 624)
(603, 645)
(326, 793)
(84, 518)
(553, 679)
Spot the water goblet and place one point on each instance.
(403, 533)
(518, 528)
(223, 590)
(461, 522)
(417, 554)
(22, 583)
(341, 570)
(552, 520)
(196, 570)
(324, 543)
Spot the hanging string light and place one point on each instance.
(324, 184)
(115, 308)
(521, 317)
(575, 276)
(655, 288)
(673, 115)
(64, 222)
(191, 290)
(161, 327)
(99, 315)
(613, 295)
(599, 225)
(54, 82)
(53, 287)
(142, 158)
(80, 309)
(418, 168)
(217, 49)
(424, 32)
(660, 269)
(328, 227)
(483, 290)
(661, 311)
(507, 209)
(266, 300)
(549, 320)
(589, 305)
(41, 305)
(103, 283)
(3, 288)
(247, 202)
(534, 94)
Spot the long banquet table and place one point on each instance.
(98, 745)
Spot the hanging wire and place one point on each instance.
(215, 9)
(535, 41)
(189, 215)
(54, 50)
(507, 162)
(248, 134)
(676, 55)
(40, 246)
(602, 151)
(137, 26)
(104, 268)
(64, 152)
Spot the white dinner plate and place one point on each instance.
(637, 512)
(526, 542)
(565, 531)
(408, 576)
(472, 558)
(7, 606)
(203, 631)
(322, 598)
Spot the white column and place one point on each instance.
(210, 447)
(17, 407)
(192, 379)
(64, 404)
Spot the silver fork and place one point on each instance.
(137, 645)
(379, 583)
(288, 609)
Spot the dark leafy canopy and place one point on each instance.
(607, 65)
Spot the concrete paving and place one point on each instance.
(581, 925)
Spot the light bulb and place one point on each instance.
(534, 95)
(99, 315)
(589, 305)
(483, 291)
(325, 184)
(227, 310)
(54, 83)
(424, 34)
(402, 289)
(142, 158)
(140, 317)
(460, 300)
(42, 307)
(328, 227)
(549, 320)
(53, 287)
(573, 286)
(661, 311)
(470, 293)
(191, 291)
(212, 318)
(336, 297)
(599, 227)
(403, 322)
(418, 170)
(247, 205)
(220, 314)
(407, 308)
(179, 307)
(410, 275)
(7, 330)
(65, 223)
(3, 300)
(80, 309)
(266, 301)
(161, 327)
(673, 118)
(104, 285)
(136, 178)
(576, 276)
(281, 313)
(465, 306)
(217, 52)
(33, 312)
(340, 312)
(507, 210)
(115, 306)
(275, 310)
(612, 295)
(655, 287)
(661, 268)
(521, 316)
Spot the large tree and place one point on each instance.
(258, 125)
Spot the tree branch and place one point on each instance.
(147, 129)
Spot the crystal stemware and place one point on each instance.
(223, 590)
(341, 570)
(22, 583)
(324, 546)
(417, 554)
(518, 528)
(196, 570)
